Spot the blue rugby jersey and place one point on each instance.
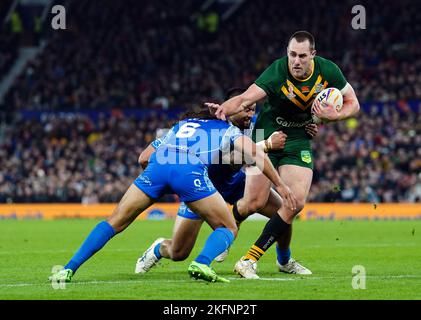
(224, 176)
(204, 138)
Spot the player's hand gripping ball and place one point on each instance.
(328, 98)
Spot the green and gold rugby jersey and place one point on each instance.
(288, 103)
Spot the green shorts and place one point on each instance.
(297, 152)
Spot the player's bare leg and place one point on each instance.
(256, 192)
(299, 181)
(283, 253)
(130, 206)
(184, 237)
(177, 248)
(256, 199)
(214, 211)
(133, 203)
(259, 197)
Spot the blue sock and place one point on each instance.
(156, 251)
(283, 256)
(218, 241)
(98, 237)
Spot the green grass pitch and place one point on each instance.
(388, 250)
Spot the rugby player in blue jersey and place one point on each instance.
(229, 180)
(180, 165)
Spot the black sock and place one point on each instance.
(274, 228)
(237, 216)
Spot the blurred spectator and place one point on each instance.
(16, 25)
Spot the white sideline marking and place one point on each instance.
(48, 283)
(374, 245)
(267, 279)
(309, 277)
(293, 278)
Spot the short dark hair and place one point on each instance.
(235, 91)
(198, 112)
(302, 36)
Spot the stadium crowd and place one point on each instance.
(72, 158)
(157, 56)
(375, 157)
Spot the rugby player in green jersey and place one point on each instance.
(288, 87)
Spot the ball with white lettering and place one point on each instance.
(330, 95)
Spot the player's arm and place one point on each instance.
(351, 106)
(145, 155)
(276, 141)
(239, 103)
(254, 154)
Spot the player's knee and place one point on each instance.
(300, 206)
(255, 204)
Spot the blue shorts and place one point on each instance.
(189, 181)
(235, 191)
(185, 212)
(231, 196)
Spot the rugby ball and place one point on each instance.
(332, 96)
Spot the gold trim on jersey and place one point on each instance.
(307, 99)
(306, 79)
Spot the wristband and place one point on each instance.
(268, 144)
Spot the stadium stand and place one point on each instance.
(8, 41)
